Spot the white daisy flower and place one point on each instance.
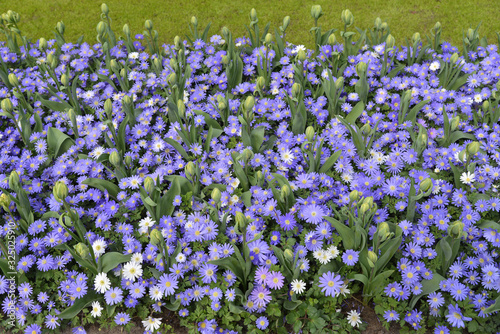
(152, 324)
(353, 318)
(102, 283)
(99, 247)
(155, 293)
(298, 286)
(132, 271)
(467, 178)
(180, 258)
(96, 309)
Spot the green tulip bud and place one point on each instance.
(301, 55)
(389, 42)
(149, 184)
(81, 249)
(268, 38)
(288, 255)
(361, 68)
(425, 185)
(249, 103)
(454, 123)
(7, 106)
(486, 106)
(181, 108)
(156, 237)
(285, 190)
(473, 148)
(128, 160)
(60, 191)
(366, 129)
(190, 170)
(123, 73)
(101, 28)
(286, 22)
(108, 108)
(368, 201)
(42, 44)
(194, 21)
(222, 105)
(437, 27)
(247, 154)
(462, 155)
(241, 221)
(126, 30)
(332, 39)
(456, 229)
(296, 90)
(372, 258)
(260, 177)
(114, 65)
(105, 9)
(13, 80)
(65, 80)
(310, 133)
(177, 42)
(14, 180)
(364, 207)
(216, 195)
(454, 58)
(148, 24)
(72, 116)
(378, 23)
(383, 231)
(4, 201)
(253, 15)
(115, 159)
(384, 26)
(225, 60)
(225, 32)
(172, 79)
(316, 12)
(470, 34)
(260, 83)
(347, 17)
(60, 28)
(339, 83)
(354, 196)
(416, 38)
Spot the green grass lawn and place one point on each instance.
(171, 18)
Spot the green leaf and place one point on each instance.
(346, 233)
(330, 162)
(291, 305)
(100, 184)
(361, 278)
(428, 286)
(165, 204)
(257, 138)
(111, 260)
(495, 307)
(178, 147)
(58, 142)
(79, 305)
(355, 112)
(4, 266)
(489, 224)
(53, 105)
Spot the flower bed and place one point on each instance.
(248, 184)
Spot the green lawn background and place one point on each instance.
(171, 18)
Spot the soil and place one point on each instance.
(369, 316)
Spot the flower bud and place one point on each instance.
(301, 55)
(149, 184)
(285, 190)
(225, 60)
(190, 169)
(286, 22)
(60, 191)
(181, 108)
(366, 129)
(378, 23)
(177, 42)
(194, 21)
(372, 258)
(225, 32)
(470, 34)
(383, 231)
(260, 83)
(241, 221)
(222, 105)
(310, 133)
(4, 201)
(64, 80)
(253, 14)
(260, 177)
(332, 39)
(455, 121)
(172, 79)
(296, 89)
(416, 38)
(437, 27)
(216, 195)
(13, 79)
(288, 255)
(155, 237)
(454, 58)
(128, 160)
(316, 12)
(361, 68)
(347, 17)
(60, 28)
(14, 180)
(486, 106)
(114, 65)
(148, 24)
(389, 42)
(7, 106)
(425, 185)
(249, 103)
(354, 196)
(369, 201)
(126, 30)
(115, 159)
(462, 155)
(339, 83)
(81, 249)
(456, 229)
(42, 44)
(108, 108)
(105, 9)
(268, 38)
(101, 28)
(364, 207)
(473, 148)
(498, 85)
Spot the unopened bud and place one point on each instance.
(172, 79)
(60, 28)
(225, 60)
(190, 169)
(4, 201)
(389, 42)
(454, 123)
(128, 160)
(383, 231)
(316, 12)
(194, 21)
(222, 105)
(286, 22)
(108, 108)
(364, 207)
(7, 106)
(437, 27)
(361, 68)
(216, 195)
(285, 190)
(105, 9)
(148, 24)
(347, 17)
(13, 79)
(82, 250)
(249, 103)
(296, 90)
(42, 44)
(155, 237)
(126, 30)
(378, 23)
(149, 184)
(115, 159)
(416, 38)
(260, 83)
(332, 39)
(339, 83)
(473, 148)
(241, 221)
(456, 229)
(260, 177)
(14, 180)
(454, 58)
(60, 191)
(425, 185)
(288, 255)
(366, 129)
(310, 133)
(372, 258)
(181, 108)
(101, 28)
(65, 80)
(114, 65)
(268, 38)
(354, 196)
(486, 106)
(301, 55)
(253, 15)
(369, 201)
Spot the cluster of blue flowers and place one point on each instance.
(464, 180)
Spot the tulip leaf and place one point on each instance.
(79, 305)
(165, 204)
(493, 308)
(55, 106)
(103, 185)
(291, 305)
(112, 259)
(173, 304)
(4, 266)
(330, 162)
(345, 232)
(178, 147)
(428, 286)
(58, 142)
